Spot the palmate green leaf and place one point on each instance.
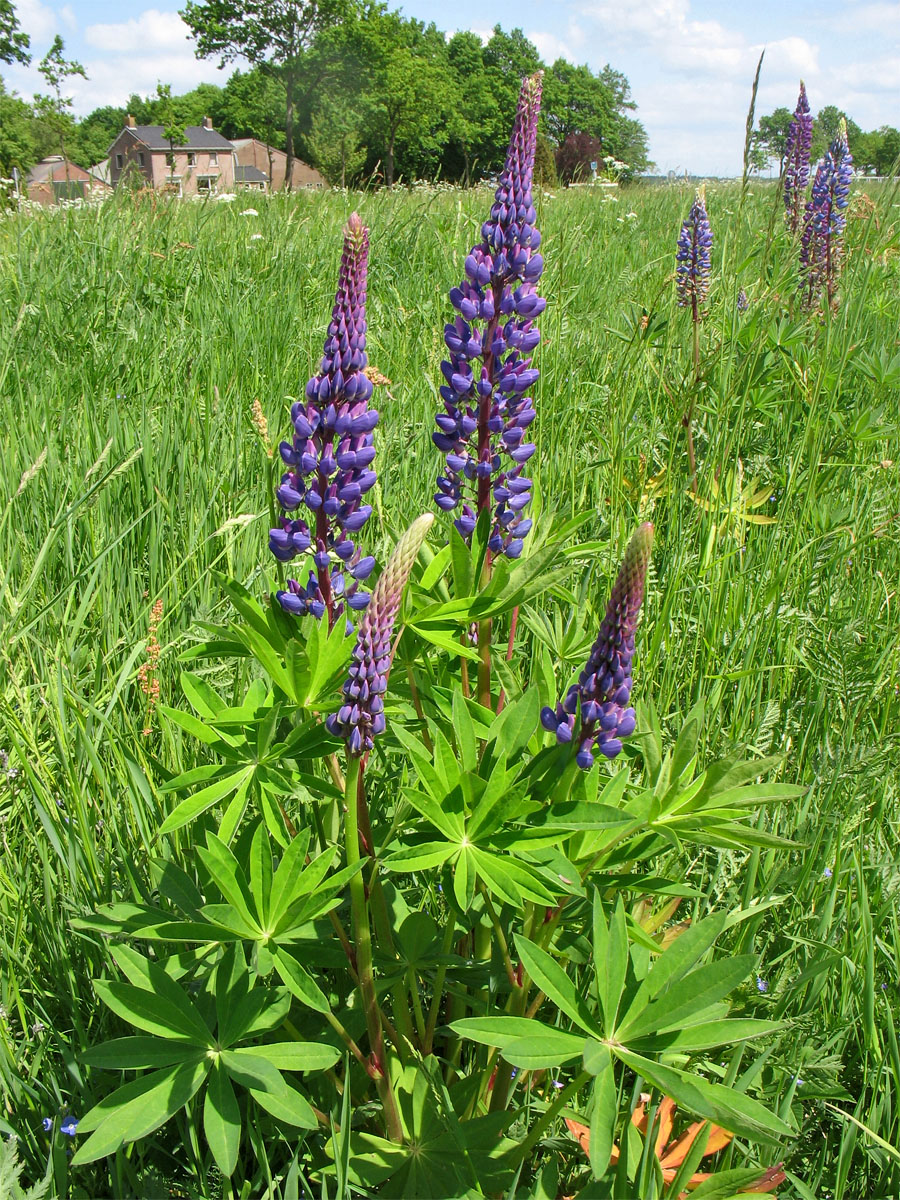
(552, 979)
(329, 654)
(138, 1054)
(139, 1108)
(259, 1011)
(153, 1014)
(222, 1120)
(498, 1031)
(510, 879)
(261, 872)
(443, 639)
(447, 820)
(268, 1088)
(464, 732)
(418, 858)
(513, 728)
(195, 775)
(299, 981)
(194, 726)
(733, 1110)
(611, 960)
(435, 570)
(684, 953)
(544, 1048)
(704, 1036)
(298, 1056)
(695, 992)
(203, 699)
(494, 802)
(229, 878)
(286, 883)
(188, 810)
(464, 879)
(604, 1111)
(728, 1185)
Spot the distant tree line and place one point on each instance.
(361, 92)
(874, 153)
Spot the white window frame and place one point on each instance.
(213, 158)
(120, 161)
(192, 158)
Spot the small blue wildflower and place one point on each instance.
(761, 984)
(828, 872)
(47, 1124)
(557, 1083)
(69, 1126)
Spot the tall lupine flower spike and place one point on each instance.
(487, 408)
(822, 243)
(361, 717)
(329, 459)
(692, 257)
(796, 160)
(604, 686)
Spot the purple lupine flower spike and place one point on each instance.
(796, 160)
(822, 243)
(488, 377)
(692, 257)
(361, 717)
(604, 686)
(329, 459)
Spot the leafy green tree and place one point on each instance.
(173, 130)
(273, 35)
(17, 145)
(770, 139)
(407, 89)
(475, 124)
(56, 109)
(94, 135)
(508, 58)
(252, 105)
(576, 101)
(14, 43)
(545, 164)
(335, 140)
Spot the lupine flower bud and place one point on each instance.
(796, 160)
(822, 243)
(361, 717)
(329, 457)
(604, 686)
(692, 257)
(487, 408)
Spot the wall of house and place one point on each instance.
(256, 154)
(80, 182)
(157, 173)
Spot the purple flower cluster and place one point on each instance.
(821, 246)
(488, 377)
(329, 459)
(796, 160)
(361, 717)
(604, 686)
(692, 257)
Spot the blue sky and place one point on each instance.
(690, 62)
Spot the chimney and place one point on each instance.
(131, 123)
(207, 123)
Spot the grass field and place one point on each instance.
(134, 339)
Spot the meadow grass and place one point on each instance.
(134, 339)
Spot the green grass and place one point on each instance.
(133, 341)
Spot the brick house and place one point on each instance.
(55, 178)
(272, 163)
(204, 164)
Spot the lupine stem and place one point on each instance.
(434, 1012)
(364, 966)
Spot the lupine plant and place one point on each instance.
(692, 268)
(822, 243)
(433, 904)
(796, 161)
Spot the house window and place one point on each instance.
(192, 159)
(214, 159)
(140, 158)
(205, 183)
(120, 161)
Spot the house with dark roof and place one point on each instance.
(272, 164)
(202, 165)
(250, 177)
(56, 178)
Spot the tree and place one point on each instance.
(14, 43)
(474, 120)
(335, 142)
(576, 101)
(544, 163)
(56, 109)
(273, 35)
(173, 131)
(575, 155)
(17, 146)
(770, 139)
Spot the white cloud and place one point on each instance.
(550, 47)
(152, 30)
(37, 20)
